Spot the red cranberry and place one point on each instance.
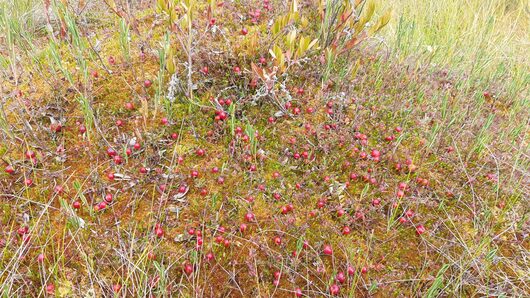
(204, 192)
(58, 189)
(341, 277)
(30, 154)
(298, 292)
(182, 189)
(108, 198)
(334, 289)
(351, 271)
(242, 228)
(117, 159)
(111, 152)
(50, 289)
(188, 268)
(420, 229)
(9, 169)
(277, 240)
(159, 232)
(56, 127)
(102, 205)
(364, 270)
(116, 288)
(249, 217)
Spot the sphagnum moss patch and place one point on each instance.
(251, 149)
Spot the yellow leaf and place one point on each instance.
(160, 5)
(170, 65)
(291, 39)
(355, 68)
(301, 47)
(304, 22)
(281, 63)
(279, 24)
(294, 16)
(366, 16)
(305, 45)
(278, 53)
(312, 44)
(172, 16)
(294, 6)
(383, 20)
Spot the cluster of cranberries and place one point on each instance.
(339, 279)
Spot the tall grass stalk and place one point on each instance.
(486, 38)
(125, 40)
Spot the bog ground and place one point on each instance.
(181, 148)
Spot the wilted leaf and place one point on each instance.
(258, 71)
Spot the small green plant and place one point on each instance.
(437, 284)
(125, 39)
(251, 133)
